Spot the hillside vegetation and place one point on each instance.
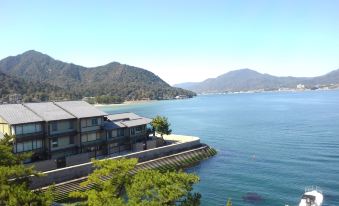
(32, 91)
(116, 81)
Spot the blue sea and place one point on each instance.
(270, 145)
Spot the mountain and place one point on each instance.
(114, 79)
(249, 80)
(329, 78)
(29, 91)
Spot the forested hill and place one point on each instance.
(250, 80)
(31, 91)
(123, 82)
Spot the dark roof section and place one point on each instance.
(80, 109)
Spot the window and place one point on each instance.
(28, 128)
(54, 126)
(28, 146)
(19, 147)
(37, 144)
(84, 138)
(38, 128)
(71, 140)
(114, 133)
(89, 122)
(55, 142)
(139, 129)
(70, 126)
(18, 129)
(90, 137)
(133, 131)
(120, 132)
(94, 121)
(63, 141)
(83, 123)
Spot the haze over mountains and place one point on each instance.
(39, 77)
(250, 80)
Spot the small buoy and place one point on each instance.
(253, 156)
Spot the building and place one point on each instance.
(126, 131)
(28, 128)
(55, 130)
(59, 129)
(300, 86)
(15, 98)
(89, 125)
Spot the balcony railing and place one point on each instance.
(29, 134)
(64, 133)
(27, 137)
(94, 142)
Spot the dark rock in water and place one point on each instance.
(252, 197)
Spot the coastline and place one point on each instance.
(267, 91)
(125, 103)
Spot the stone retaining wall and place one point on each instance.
(81, 170)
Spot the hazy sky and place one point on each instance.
(179, 40)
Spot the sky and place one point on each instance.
(179, 40)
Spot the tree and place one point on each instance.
(161, 125)
(106, 192)
(14, 178)
(144, 188)
(191, 200)
(229, 202)
(151, 187)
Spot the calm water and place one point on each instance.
(272, 144)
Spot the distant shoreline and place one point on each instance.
(268, 91)
(135, 102)
(125, 103)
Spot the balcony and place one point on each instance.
(118, 139)
(63, 133)
(63, 148)
(94, 142)
(29, 136)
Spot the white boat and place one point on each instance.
(313, 196)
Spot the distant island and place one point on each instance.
(247, 80)
(34, 77)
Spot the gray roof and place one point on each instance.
(113, 125)
(49, 111)
(123, 116)
(125, 120)
(136, 122)
(18, 114)
(80, 109)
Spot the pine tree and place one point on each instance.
(14, 178)
(143, 188)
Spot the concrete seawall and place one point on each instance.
(170, 162)
(179, 144)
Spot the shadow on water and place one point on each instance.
(252, 197)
